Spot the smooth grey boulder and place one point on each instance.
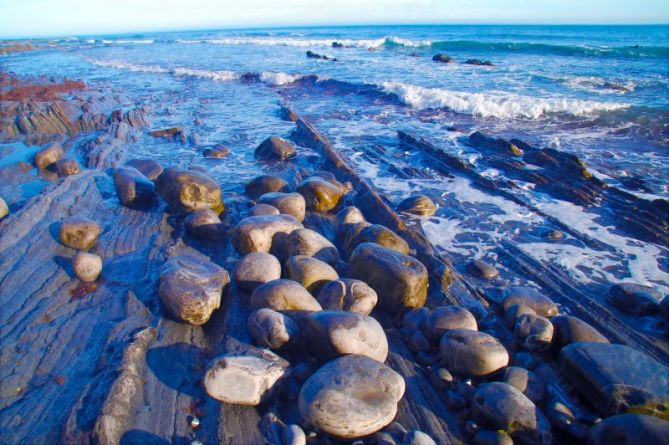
(288, 203)
(472, 353)
(533, 332)
(570, 329)
(616, 378)
(351, 396)
(515, 311)
(499, 406)
(630, 429)
(87, 266)
(311, 243)
(275, 148)
(399, 280)
(271, 329)
(191, 287)
(244, 378)
(284, 295)
(531, 298)
(263, 209)
(255, 269)
(526, 382)
(347, 218)
(333, 333)
(445, 318)
(258, 233)
(205, 223)
(78, 232)
(348, 295)
(310, 272)
(634, 299)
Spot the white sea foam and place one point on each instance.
(599, 85)
(121, 65)
(494, 104)
(128, 42)
(301, 42)
(278, 78)
(222, 75)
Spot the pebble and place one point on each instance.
(416, 437)
(148, 167)
(526, 382)
(419, 205)
(78, 232)
(294, 435)
(204, 223)
(347, 218)
(311, 243)
(381, 235)
(630, 429)
(533, 332)
(187, 191)
(570, 329)
(87, 266)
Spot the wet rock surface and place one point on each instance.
(319, 194)
(351, 396)
(419, 205)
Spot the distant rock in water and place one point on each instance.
(443, 58)
(313, 55)
(479, 62)
(337, 45)
(275, 149)
(172, 134)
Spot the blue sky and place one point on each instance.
(35, 18)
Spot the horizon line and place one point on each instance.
(333, 25)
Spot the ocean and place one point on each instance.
(598, 92)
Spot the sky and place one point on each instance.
(43, 18)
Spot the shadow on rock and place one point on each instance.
(178, 366)
(139, 437)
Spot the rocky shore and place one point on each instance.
(144, 304)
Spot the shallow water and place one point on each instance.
(599, 92)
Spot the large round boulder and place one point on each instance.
(288, 203)
(275, 149)
(205, 223)
(445, 318)
(334, 333)
(347, 218)
(258, 233)
(148, 167)
(260, 185)
(255, 269)
(570, 329)
(381, 235)
(244, 378)
(499, 406)
(348, 295)
(271, 329)
(533, 332)
(320, 194)
(133, 188)
(87, 266)
(351, 396)
(66, 167)
(630, 429)
(311, 243)
(472, 353)
(310, 272)
(530, 297)
(263, 209)
(284, 295)
(78, 232)
(50, 154)
(191, 287)
(187, 191)
(399, 280)
(634, 299)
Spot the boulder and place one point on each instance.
(205, 223)
(334, 333)
(263, 209)
(255, 269)
(399, 280)
(351, 396)
(630, 429)
(284, 295)
(472, 353)
(271, 329)
(347, 218)
(617, 378)
(50, 154)
(191, 287)
(148, 167)
(502, 407)
(293, 435)
(258, 233)
(380, 235)
(526, 382)
(319, 194)
(244, 378)
(570, 329)
(288, 203)
(443, 58)
(216, 152)
(348, 295)
(174, 134)
(187, 191)
(478, 62)
(481, 269)
(275, 149)
(533, 332)
(133, 188)
(414, 319)
(79, 233)
(310, 272)
(445, 318)
(514, 312)
(332, 179)
(311, 243)
(634, 299)
(419, 205)
(260, 185)
(87, 266)
(66, 167)
(531, 298)
(4, 208)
